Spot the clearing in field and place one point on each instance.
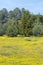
(21, 51)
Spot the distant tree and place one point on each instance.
(3, 15)
(26, 23)
(12, 29)
(16, 13)
(2, 32)
(38, 30)
(11, 15)
(41, 18)
(23, 11)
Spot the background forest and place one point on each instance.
(20, 22)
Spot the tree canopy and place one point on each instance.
(20, 22)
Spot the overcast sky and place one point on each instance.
(34, 6)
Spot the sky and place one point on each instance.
(34, 6)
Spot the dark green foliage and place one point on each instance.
(3, 15)
(16, 13)
(20, 22)
(26, 23)
(2, 32)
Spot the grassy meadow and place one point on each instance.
(21, 50)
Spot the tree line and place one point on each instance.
(20, 22)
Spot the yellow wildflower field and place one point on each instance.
(21, 50)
